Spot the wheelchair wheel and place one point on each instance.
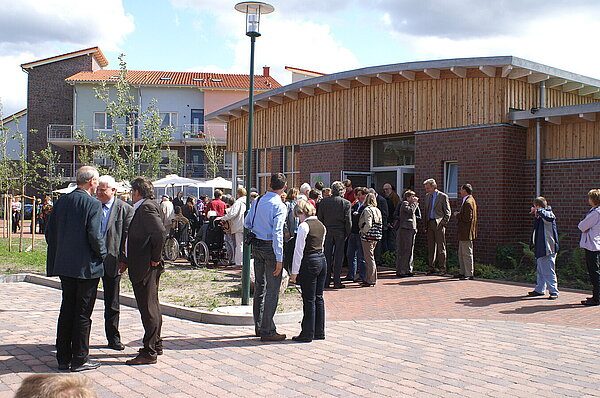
(171, 250)
(228, 254)
(200, 254)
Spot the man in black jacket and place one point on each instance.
(75, 253)
(334, 213)
(116, 216)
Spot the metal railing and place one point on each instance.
(187, 133)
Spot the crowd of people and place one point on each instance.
(310, 232)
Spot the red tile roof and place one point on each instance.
(95, 51)
(192, 79)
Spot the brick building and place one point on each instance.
(459, 121)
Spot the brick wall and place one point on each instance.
(50, 100)
(492, 159)
(565, 185)
(334, 157)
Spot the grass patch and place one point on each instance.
(14, 262)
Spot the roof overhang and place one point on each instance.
(553, 115)
(14, 116)
(507, 66)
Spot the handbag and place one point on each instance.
(375, 233)
(250, 236)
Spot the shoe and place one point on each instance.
(589, 302)
(89, 365)
(405, 275)
(64, 366)
(340, 286)
(367, 284)
(319, 337)
(458, 276)
(273, 337)
(159, 350)
(470, 278)
(553, 296)
(358, 280)
(534, 293)
(116, 346)
(462, 278)
(348, 279)
(302, 339)
(141, 359)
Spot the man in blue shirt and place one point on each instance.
(266, 219)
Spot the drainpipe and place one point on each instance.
(538, 143)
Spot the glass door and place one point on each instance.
(400, 177)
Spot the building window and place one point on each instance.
(263, 176)
(102, 159)
(451, 179)
(290, 164)
(102, 121)
(168, 119)
(227, 160)
(240, 166)
(394, 152)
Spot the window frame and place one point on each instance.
(107, 120)
(447, 175)
(172, 115)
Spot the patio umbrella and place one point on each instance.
(174, 179)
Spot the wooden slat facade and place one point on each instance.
(569, 140)
(399, 107)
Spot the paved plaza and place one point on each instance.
(425, 336)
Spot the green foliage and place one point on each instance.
(14, 262)
(486, 271)
(49, 175)
(506, 257)
(389, 259)
(214, 156)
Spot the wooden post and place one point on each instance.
(3, 215)
(33, 223)
(10, 225)
(22, 221)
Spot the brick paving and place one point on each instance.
(423, 337)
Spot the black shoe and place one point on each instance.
(340, 286)
(459, 276)
(64, 366)
(302, 339)
(89, 365)
(348, 279)
(358, 280)
(535, 294)
(589, 302)
(367, 284)
(405, 275)
(319, 337)
(462, 278)
(116, 346)
(553, 296)
(470, 278)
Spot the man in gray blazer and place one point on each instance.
(75, 253)
(406, 215)
(334, 213)
(116, 216)
(436, 213)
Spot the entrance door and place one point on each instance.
(197, 166)
(358, 178)
(401, 177)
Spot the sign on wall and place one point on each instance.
(325, 178)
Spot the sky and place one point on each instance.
(320, 35)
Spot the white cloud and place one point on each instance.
(33, 29)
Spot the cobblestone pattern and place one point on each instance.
(416, 357)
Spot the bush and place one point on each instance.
(388, 259)
(487, 271)
(506, 257)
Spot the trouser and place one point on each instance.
(238, 247)
(312, 281)
(74, 320)
(288, 254)
(592, 260)
(334, 254)
(368, 247)
(356, 260)
(465, 257)
(389, 240)
(16, 221)
(146, 295)
(111, 285)
(405, 245)
(436, 245)
(266, 288)
(546, 274)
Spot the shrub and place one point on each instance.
(506, 257)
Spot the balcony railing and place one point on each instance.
(184, 134)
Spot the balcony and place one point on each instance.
(67, 136)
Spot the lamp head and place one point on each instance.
(253, 10)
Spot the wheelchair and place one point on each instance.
(211, 246)
(178, 242)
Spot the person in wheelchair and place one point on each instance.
(180, 228)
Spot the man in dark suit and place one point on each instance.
(145, 241)
(406, 215)
(334, 213)
(467, 231)
(436, 215)
(75, 253)
(382, 205)
(116, 216)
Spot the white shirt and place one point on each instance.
(303, 229)
(465, 198)
(590, 230)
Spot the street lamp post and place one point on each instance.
(253, 10)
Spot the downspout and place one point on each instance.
(538, 143)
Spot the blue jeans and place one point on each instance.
(546, 274)
(356, 260)
(311, 277)
(266, 288)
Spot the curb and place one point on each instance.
(176, 311)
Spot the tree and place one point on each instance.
(50, 175)
(135, 149)
(214, 156)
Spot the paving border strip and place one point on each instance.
(173, 310)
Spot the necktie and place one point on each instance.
(105, 218)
